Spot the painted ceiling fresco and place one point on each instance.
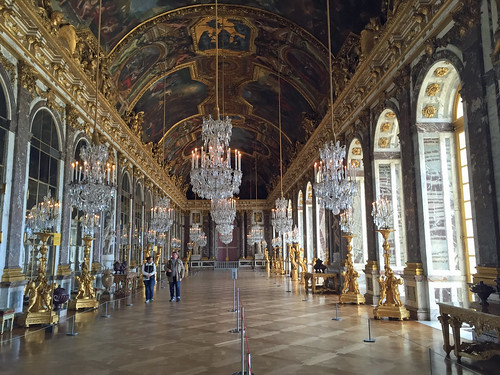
(161, 57)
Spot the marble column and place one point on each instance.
(13, 280)
(481, 166)
(63, 269)
(371, 268)
(415, 283)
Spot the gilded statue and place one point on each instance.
(158, 255)
(186, 263)
(85, 288)
(135, 121)
(266, 257)
(293, 258)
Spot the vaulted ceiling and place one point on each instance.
(161, 57)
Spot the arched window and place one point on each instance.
(43, 175)
(75, 240)
(439, 167)
(359, 242)
(388, 184)
(44, 158)
(125, 217)
(300, 218)
(321, 248)
(138, 239)
(4, 128)
(309, 222)
(465, 193)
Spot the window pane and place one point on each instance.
(466, 192)
(54, 141)
(465, 175)
(469, 230)
(461, 140)
(467, 210)
(53, 172)
(472, 264)
(471, 246)
(32, 194)
(463, 157)
(46, 130)
(44, 167)
(34, 162)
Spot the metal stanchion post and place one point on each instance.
(237, 329)
(337, 313)
(369, 339)
(72, 333)
(242, 342)
(106, 315)
(234, 296)
(430, 361)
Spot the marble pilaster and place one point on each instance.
(481, 166)
(63, 268)
(415, 282)
(371, 269)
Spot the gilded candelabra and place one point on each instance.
(302, 261)
(39, 309)
(85, 297)
(294, 272)
(350, 292)
(266, 257)
(389, 305)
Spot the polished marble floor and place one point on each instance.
(288, 332)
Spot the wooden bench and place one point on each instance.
(6, 315)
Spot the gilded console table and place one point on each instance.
(454, 316)
(311, 281)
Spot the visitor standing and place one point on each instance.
(148, 276)
(175, 273)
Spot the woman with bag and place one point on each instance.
(148, 276)
(175, 273)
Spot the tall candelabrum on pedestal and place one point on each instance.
(389, 304)
(350, 291)
(42, 218)
(85, 297)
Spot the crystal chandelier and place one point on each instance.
(276, 242)
(93, 182)
(292, 236)
(202, 241)
(223, 212)
(161, 216)
(335, 186)
(195, 233)
(212, 175)
(175, 243)
(89, 222)
(347, 221)
(256, 235)
(226, 238)
(382, 213)
(43, 216)
(281, 216)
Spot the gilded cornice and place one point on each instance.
(241, 205)
(400, 42)
(29, 32)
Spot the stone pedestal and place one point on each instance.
(40, 317)
(259, 256)
(486, 274)
(416, 291)
(372, 286)
(196, 257)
